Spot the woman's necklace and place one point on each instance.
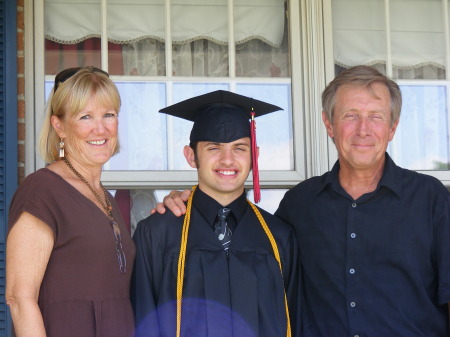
(108, 209)
(106, 206)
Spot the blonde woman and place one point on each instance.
(69, 255)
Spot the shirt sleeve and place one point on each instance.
(39, 194)
(282, 211)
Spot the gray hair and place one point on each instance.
(364, 76)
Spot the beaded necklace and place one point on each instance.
(106, 206)
(121, 258)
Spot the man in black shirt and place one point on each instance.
(227, 268)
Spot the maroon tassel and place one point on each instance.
(256, 188)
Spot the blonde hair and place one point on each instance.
(71, 96)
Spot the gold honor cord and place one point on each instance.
(277, 257)
(182, 259)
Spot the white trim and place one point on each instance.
(37, 91)
(104, 38)
(443, 176)
(168, 46)
(231, 41)
(446, 36)
(185, 179)
(329, 69)
(298, 95)
(387, 16)
(314, 72)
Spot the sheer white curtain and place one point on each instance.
(199, 34)
(254, 58)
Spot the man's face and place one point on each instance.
(361, 127)
(222, 168)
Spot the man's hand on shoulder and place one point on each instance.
(175, 201)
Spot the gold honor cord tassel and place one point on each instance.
(277, 257)
(182, 259)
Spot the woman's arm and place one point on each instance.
(28, 248)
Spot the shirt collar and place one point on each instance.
(208, 207)
(390, 178)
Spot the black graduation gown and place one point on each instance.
(236, 295)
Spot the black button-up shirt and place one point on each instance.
(208, 208)
(375, 266)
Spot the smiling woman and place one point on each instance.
(91, 134)
(66, 227)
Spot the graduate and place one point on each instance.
(227, 268)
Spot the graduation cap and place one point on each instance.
(223, 117)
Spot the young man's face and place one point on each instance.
(222, 168)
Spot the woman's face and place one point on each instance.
(90, 136)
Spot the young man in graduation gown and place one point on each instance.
(207, 275)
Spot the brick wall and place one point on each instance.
(20, 90)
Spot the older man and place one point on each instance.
(374, 238)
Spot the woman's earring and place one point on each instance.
(61, 148)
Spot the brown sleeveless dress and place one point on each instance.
(83, 293)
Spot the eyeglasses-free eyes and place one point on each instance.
(65, 74)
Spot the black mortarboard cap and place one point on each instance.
(223, 117)
(219, 116)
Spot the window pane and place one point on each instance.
(274, 130)
(72, 32)
(358, 32)
(136, 33)
(261, 37)
(141, 128)
(153, 141)
(199, 38)
(421, 140)
(144, 57)
(179, 130)
(416, 36)
(137, 28)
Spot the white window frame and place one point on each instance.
(310, 145)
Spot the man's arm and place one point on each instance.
(175, 201)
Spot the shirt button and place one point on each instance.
(352, 271)
(354, 205)
(353, 235)
(352, 304)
